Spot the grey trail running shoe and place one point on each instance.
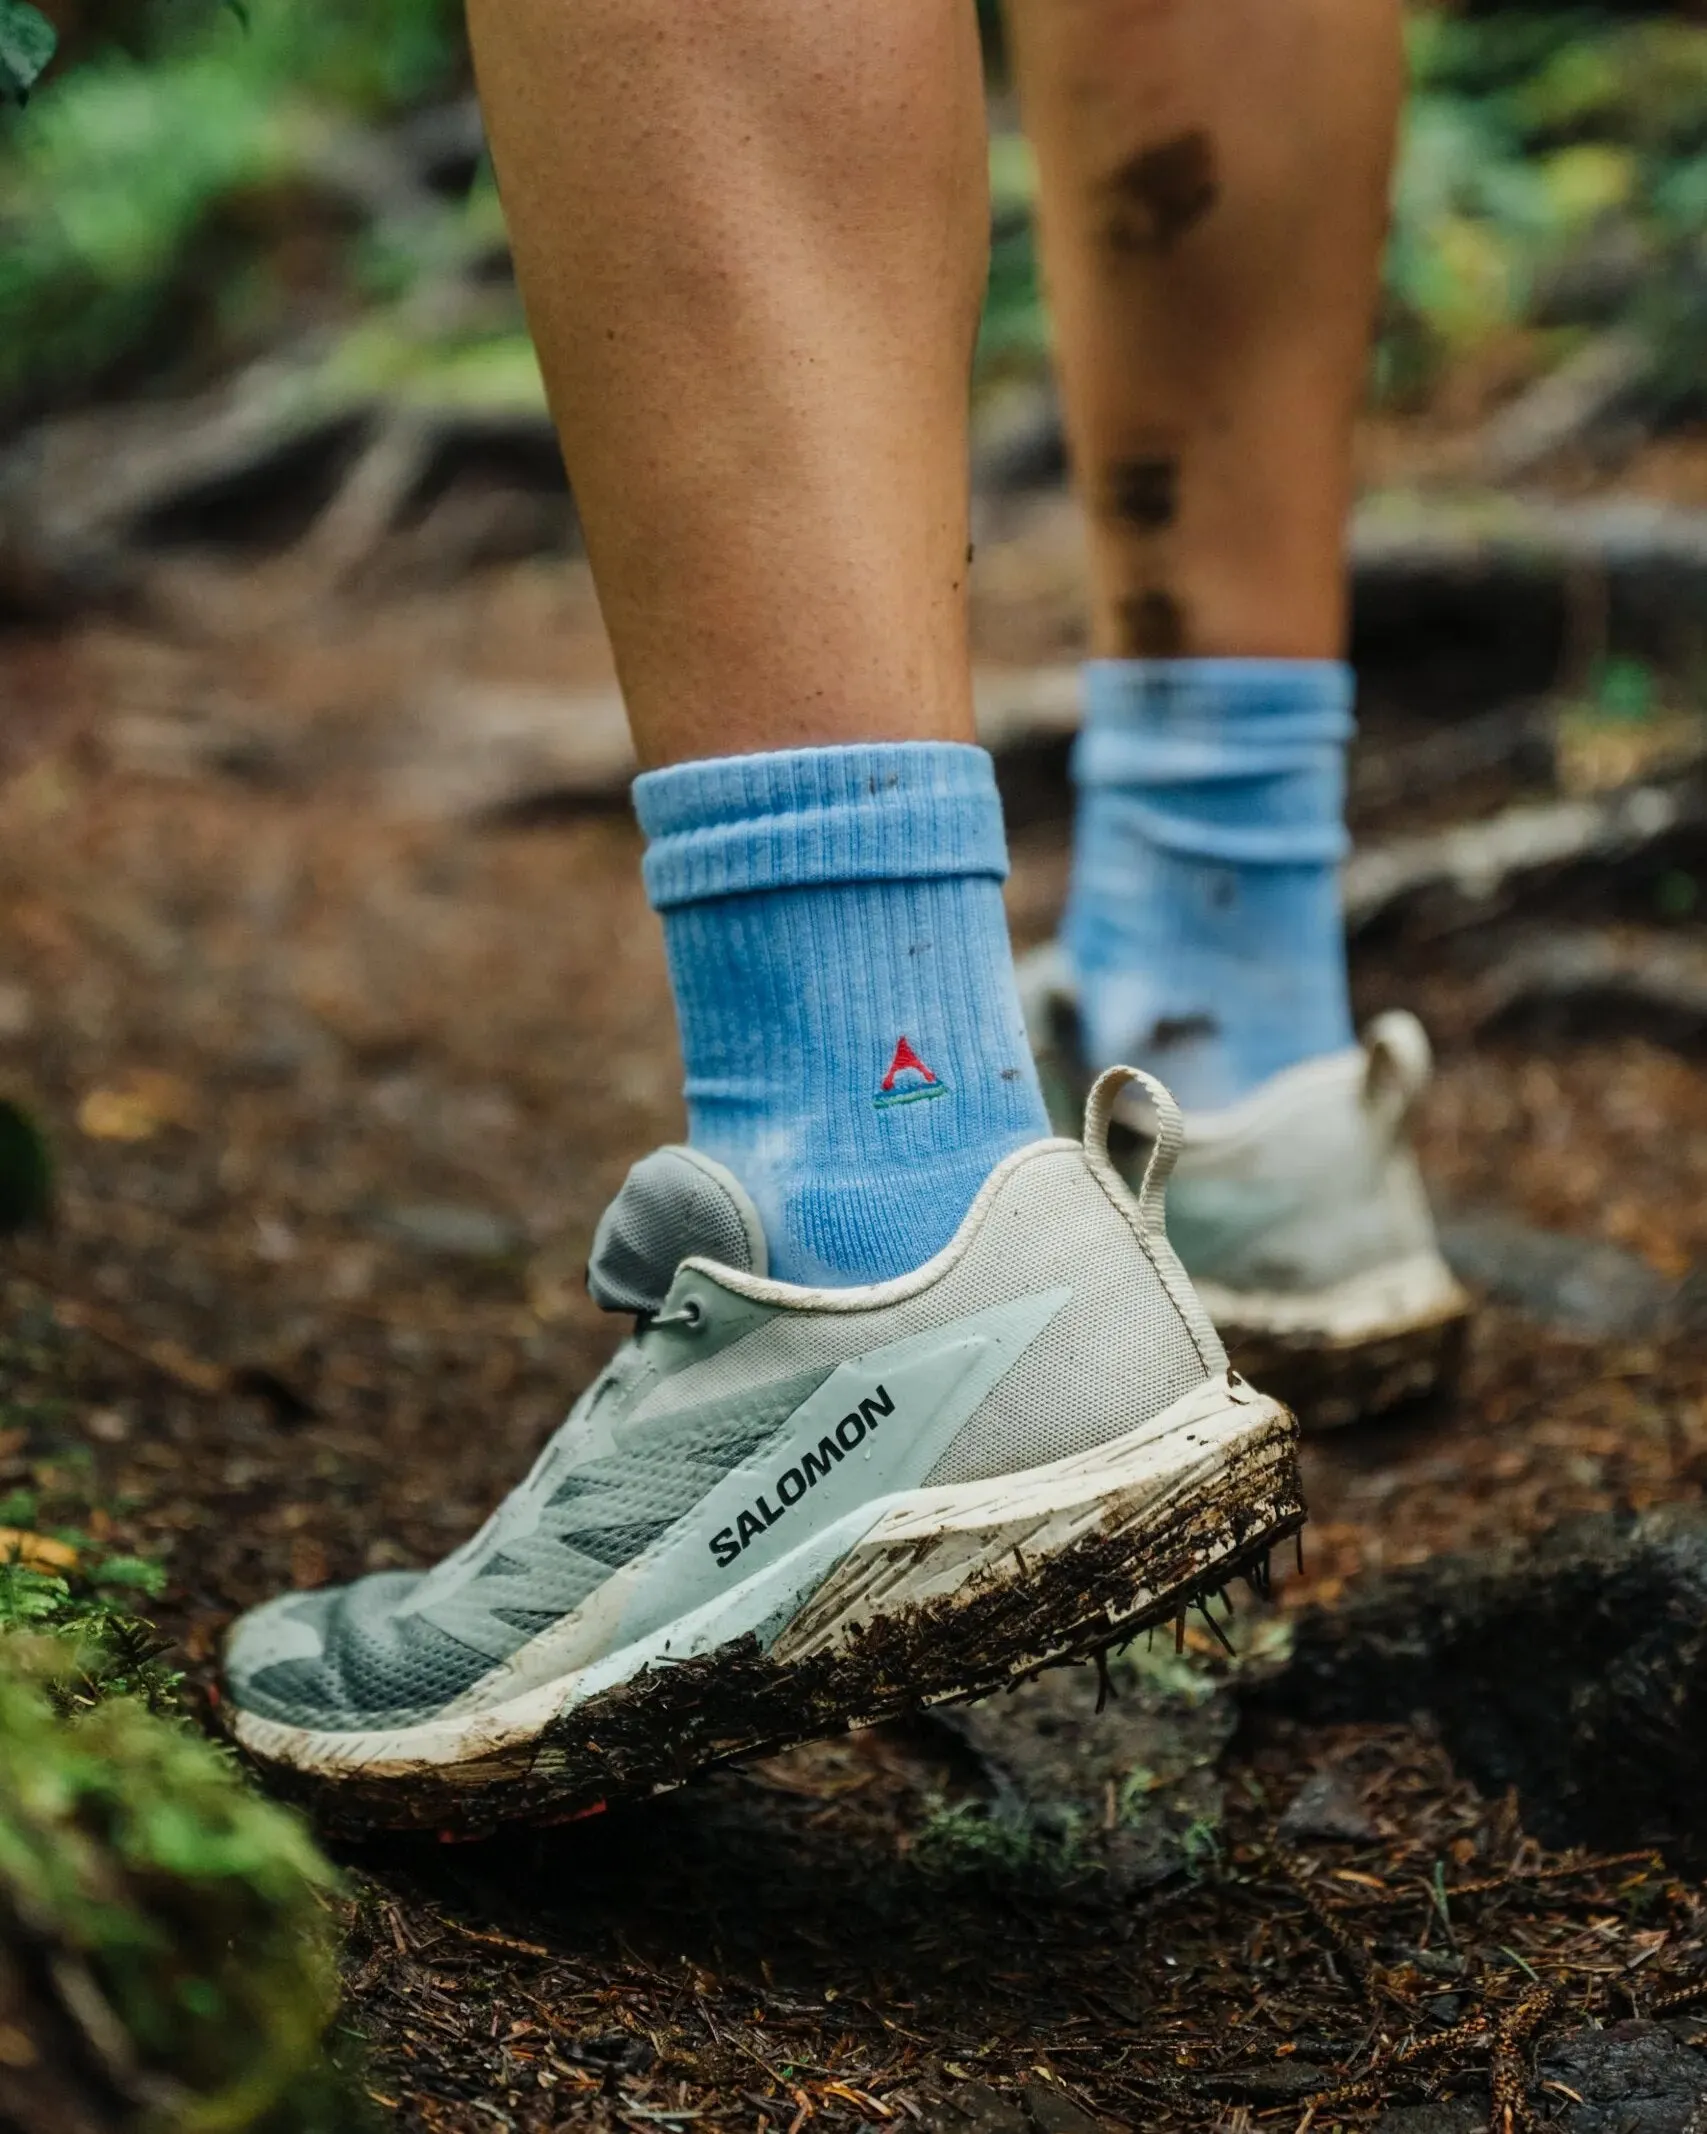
(1298, 1212)
(783, 1511)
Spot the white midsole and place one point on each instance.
(892, 1553)
(1399, 1297)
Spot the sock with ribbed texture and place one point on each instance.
(850, 1027)
(1203, 922)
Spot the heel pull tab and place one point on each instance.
(1165, 1131)
(1398, 1062)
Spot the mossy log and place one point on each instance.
(167, 1937)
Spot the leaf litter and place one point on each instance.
(1203, 1916)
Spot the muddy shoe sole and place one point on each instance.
(1369, 1345)
(941, 1594)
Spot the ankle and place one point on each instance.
(851, 1030)
(1204, 919)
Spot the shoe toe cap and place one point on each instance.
(285, 1659)
(286, 1631)
(347, 1659)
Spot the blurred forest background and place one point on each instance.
(193, 187)
(307, 718)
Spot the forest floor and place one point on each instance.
(338, 1093)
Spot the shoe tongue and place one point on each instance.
(674, 1205)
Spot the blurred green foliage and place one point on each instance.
(154, 200)
(1535, 145)
(1014, 332)
(139, 191)
(26, 1170)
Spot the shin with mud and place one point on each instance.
(1211, 259)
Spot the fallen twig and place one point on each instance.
(1508, 2060)
(1472, 865)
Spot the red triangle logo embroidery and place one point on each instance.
(905, 1057)
(921, 1082)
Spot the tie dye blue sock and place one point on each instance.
(1204, 917)
(850, 1027)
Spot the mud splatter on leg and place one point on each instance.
(1153, 625)
(1161, 192)
(1143, 492)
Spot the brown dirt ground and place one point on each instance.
(268, 1026)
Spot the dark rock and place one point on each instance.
(1128, 1783)
(1048, 1741)
(1633, 2078)
(1574, 1668)
(975, 2108)
(1326, 1807)
(1278, 2083)
(1579, 1285)
(1054, 2112)
(1040, 2108)
(1452, 2115)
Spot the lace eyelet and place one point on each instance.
(689, 1315)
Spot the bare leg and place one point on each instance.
(1214, 180)
(752, 234)
(752, 237)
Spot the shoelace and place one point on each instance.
(690, 1314)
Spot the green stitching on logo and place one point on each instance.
(910, 1096)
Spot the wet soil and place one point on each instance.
(337, 1097)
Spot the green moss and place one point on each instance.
(134, 1859)
(161, 1924)
(104, 1649)
(1005, 1846)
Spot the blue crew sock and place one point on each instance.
(853, 1039)
(1204, 918)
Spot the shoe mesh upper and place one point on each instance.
(1117, 1354)
(553, 1541)
(671, 1419)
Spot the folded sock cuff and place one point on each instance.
(877, 812)
(1166, 722)
(1228, 844)
(1236, 761)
